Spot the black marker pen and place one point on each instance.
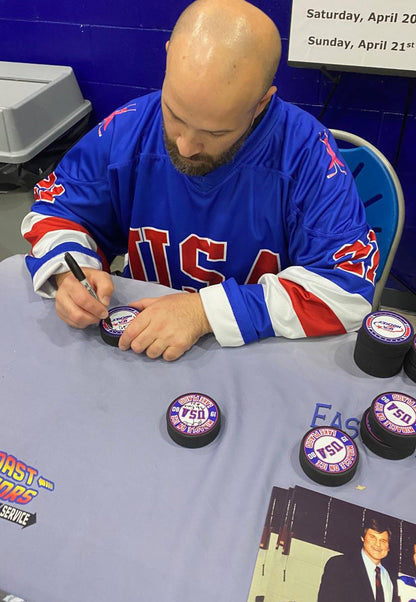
(80, 276)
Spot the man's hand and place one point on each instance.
(166, 326)
(75, 305)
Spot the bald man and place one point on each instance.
(214, 187)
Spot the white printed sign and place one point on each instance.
(354, 35)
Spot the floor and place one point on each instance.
(15, 205)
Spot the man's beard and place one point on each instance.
(201, 164)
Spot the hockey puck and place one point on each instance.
(120, 318)
(328, 456)
(382, 343)
(392, 418)
(193, 420)
(409, 363)
(376, 445)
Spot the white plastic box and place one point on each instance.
(38, 103)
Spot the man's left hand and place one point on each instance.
(166, 326)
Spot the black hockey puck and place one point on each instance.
(120, 318)
(392, 418)
(193, 420)
(376, 445)
(382, 343)
(328, 456)
(409, 363)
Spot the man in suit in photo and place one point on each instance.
(360, 576)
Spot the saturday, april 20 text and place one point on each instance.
(376, 44)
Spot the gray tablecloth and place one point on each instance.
(124, 513)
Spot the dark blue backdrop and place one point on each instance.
(117, 50)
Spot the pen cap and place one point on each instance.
(74, 267)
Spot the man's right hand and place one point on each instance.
(75, 305)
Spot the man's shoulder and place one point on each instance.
(343, 560)
(300, 126)
(144, 101)
(150, 101)
(136, 110)
(131, 128)
(335, 561)
(297, 137)
(295, 112)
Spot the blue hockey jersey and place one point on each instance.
(276, 241)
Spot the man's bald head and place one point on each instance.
(231, 38)
(221, 60)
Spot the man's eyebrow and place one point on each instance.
(206, 131)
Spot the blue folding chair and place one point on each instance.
(380, 190)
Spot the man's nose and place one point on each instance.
(188, 145)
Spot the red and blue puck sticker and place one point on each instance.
(193, 414)
(396, 413)
(120, 318)
(378, 446)
(330, 450)
(388, 327)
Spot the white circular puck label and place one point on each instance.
(120, 318)
(388, 327)
(330, 450)
(396, 412)
(193, 414)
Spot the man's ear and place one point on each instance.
(167, 45)
(265, 100)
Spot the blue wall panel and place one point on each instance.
(129, 56)
(55, 44)
(136, 13)
(364, 91)
(300, 86)
(117, 51)
(107, 97)
(405, 263)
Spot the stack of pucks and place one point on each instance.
(193, 420)
(382, 343)
(409, 363)
(328, 456)
(120, 318)
(388, 426)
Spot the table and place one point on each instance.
(124, 513)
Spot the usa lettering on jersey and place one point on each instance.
(190, 250)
